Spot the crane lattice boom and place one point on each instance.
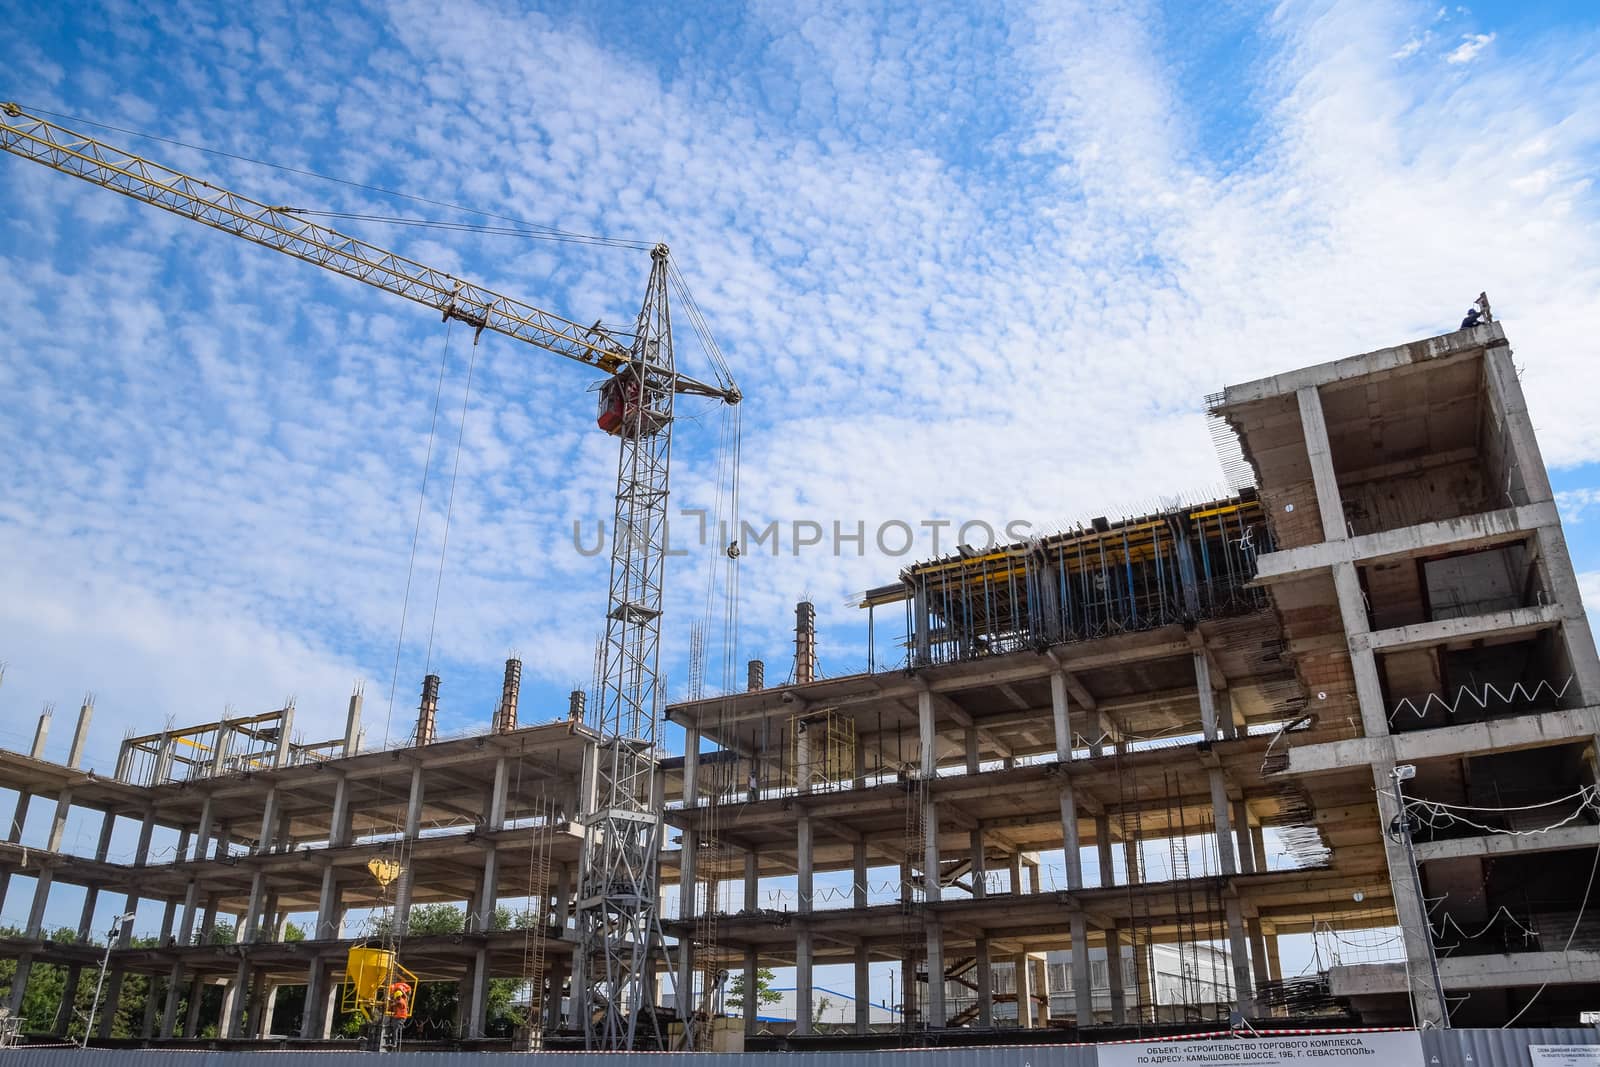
(279, 228)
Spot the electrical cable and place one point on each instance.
(1582, 907)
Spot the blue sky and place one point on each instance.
(966, 261)
(966, 265)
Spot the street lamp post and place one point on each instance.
(105, 961)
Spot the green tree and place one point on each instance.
(764, 990)
(435, 1005)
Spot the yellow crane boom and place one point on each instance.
(280, 229)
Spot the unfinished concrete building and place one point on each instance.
(1162, 701)
(1110, 776)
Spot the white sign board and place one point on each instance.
(1310, 1050)
(1564, 1055)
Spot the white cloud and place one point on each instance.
(1574, 504)
(988, 278)
(1469, 48)
(1410, 48)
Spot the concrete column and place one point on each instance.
(863, 989)
(488, 897)
(1219, 816)
(1130, 860)
(802, 982)
(1416, 932)
(327, 906)
(935, 937)
(169, 1008)
(19, 818)
(311, 1017)
(1014, 870)
(352, 725)
(804, 860)
(1315, 428)
(858, 873)
(985, 969)
(1244, 997)
(402, 895)
(1241, 833)
(1207, 697)
(980, 867)
(1024, 984)
(752, 881)
(563, 895)
(191, 1018)
(280, 758)
(1082, 974)
(973, 749)
(1146, 988)
(1102, 840)
(269, 821)
(268, 1001)
(558, 980)
(69, 997)
(1061, 716)
(752, 979)
(339, 818)
(687, 912)
(1258, 846)
(495, 817)
(414, 803)
(253, 910)
(202, 834)
(1274, 965)
(691, 766)
(1363, 661)
(476, 1006)
(1258, 954)
(1071, 845)
(927, 738)
(1041, 989)
(235, 1001)
(932, 890)
(330, 1008)
(1119, 1000)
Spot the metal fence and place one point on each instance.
(1440, 1048)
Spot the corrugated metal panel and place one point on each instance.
(1021, 1056)
(1496, 1048)
(1441, 1048)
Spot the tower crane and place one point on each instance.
(619, 932)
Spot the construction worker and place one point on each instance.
(400, 1000)
(1474, 319)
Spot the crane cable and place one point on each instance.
(450, 504)
(416, 532)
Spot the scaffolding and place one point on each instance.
(228, 746)
(1099, 579)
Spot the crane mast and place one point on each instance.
(619, 928)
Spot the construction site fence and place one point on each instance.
(1439, 1048)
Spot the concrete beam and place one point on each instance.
(1573, 967)
(1443, 631)
(1539, 730)
(1411, 357)
(1430, 538)
(1567, 837)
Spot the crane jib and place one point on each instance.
(281, 229)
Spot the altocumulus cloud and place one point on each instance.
(965, 266)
